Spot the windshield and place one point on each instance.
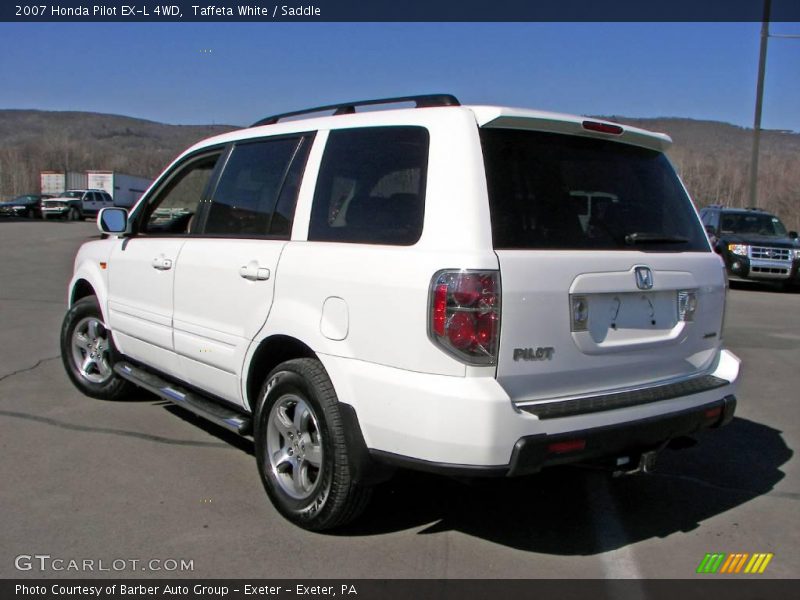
(556, 191)
(71, 195)
(752, 223)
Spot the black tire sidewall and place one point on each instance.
(283, 381)
(115, 385)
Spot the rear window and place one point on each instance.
(555, 191)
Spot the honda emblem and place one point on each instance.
(644, 278)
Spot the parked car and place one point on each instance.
(412, 288)
(26, 205)
(75, 205)
(754, 244)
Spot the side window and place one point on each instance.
(371, 186)
(713, 219)
(174, 206)
(257, 190)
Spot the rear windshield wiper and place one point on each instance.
(653, 238)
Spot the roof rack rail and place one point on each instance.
(348, 108)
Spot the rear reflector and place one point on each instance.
(713, 413)
(603, 127)
(566, 446)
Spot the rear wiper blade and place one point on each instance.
(653, 238)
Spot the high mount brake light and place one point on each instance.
(464, 317)
(603, 127)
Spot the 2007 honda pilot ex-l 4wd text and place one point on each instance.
(468, 290)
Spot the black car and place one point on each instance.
(754, 244)
(27, 205)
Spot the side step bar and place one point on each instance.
(219, 414)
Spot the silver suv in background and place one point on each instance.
(74, 205)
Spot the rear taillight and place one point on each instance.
(464, 317)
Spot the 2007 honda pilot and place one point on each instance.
(469, 290)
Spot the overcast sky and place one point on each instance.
(235, 73)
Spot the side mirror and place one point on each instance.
(112, 220)
(793, 235)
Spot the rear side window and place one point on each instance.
(555, 191)
(371, 186)
(257, 190)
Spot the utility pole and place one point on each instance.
(762, 63)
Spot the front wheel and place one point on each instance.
(73, 214)
(301, 448)
(87, 352)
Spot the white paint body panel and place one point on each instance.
(217, 312)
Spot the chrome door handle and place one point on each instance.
(162, 264)
(252, 272)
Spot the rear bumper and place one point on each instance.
(468, 425)
(534, 452)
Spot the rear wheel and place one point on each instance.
(301, 449)
(87, 352)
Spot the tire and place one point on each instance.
(87, 352)
(73, 214)
(301, 450)
(30, 214)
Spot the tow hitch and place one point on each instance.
(627, 465)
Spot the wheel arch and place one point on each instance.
(271, 352)
(81, 289)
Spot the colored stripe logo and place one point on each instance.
(734, 563)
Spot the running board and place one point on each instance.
(215, 412)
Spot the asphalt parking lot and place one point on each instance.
(141, 480)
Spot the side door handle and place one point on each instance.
(162, 263)
(252, 272)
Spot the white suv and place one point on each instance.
(418, 287)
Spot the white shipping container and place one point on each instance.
(76, 180)
(125, 189)
(52, 182)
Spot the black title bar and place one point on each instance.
(397, 10)
(709, 588)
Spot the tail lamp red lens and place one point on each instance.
(439, 309)
(465, 314)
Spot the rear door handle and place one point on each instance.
(162, 263)
(252, 272)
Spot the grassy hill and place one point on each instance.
(712, 157)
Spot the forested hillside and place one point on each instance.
(713, 158)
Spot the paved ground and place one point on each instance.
(87, 479)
